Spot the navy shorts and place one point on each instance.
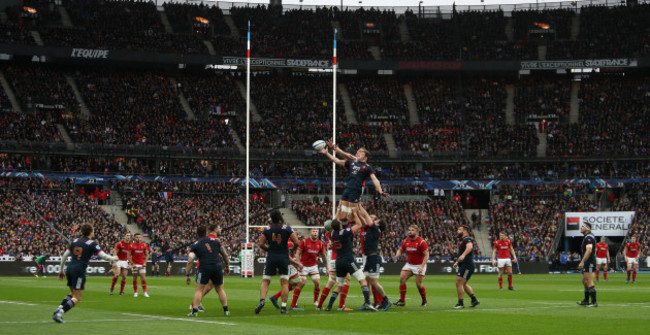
(207, 273)
(590, 267)
(465, 271)
(276, 265)
(76, 277)
(351, 195)
(373, 264)
(346, 265)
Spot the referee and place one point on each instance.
(588, 265)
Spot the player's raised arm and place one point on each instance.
(377, 184)
(339, 162)
(339, 151)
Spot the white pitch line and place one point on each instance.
(74, 321)
(16, 303)
(180, 319)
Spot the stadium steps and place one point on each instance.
(574, 112)
(66, 137)
(234, 32)
(291, 218)
(255, 116)
(510, 104)
(10, 94)
(481, 236)
(414, 118)
(390, 142)
(210, 47)
(238, 142)
(374, 51)
(541, 146)
(120, 216)
(541, 52)
(510, 32)
(404, 35)
(65, 18)
(181, 98)
(347, 104)
(37, 37)
(165, 20)
(575, 27)
(84, 108)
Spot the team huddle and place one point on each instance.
(295, 260)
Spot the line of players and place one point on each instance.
(134, 256)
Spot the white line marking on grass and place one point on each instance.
(16, 303)
(73, 321)
(180, 319)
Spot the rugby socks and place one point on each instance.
(277, 295)
(509, 280)
(460, 302)
(296, 294)
(402, 292)
(473, 297)
(592, 293)
(67, 303)
(144, 285)
(316, 293)
(122, 284)
(628, 275)
(262, 302)
(597, 273)
(500, 282)
(634, 275)
(225, 308)
(323, 296)
(135, 286)
(332, 299)
(65, 300)
(113, 283)
(344, 295)
(423, 293)
(378, 298)
(586, 295)
(366, 294)
(605, 274)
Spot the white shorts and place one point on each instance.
(415, 269)
(139, 268)
(503, 262)
(310, 270)
(632, 261)
(122, 264)
(600, 261)
(292, 271)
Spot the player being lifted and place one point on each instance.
(81, 249)
(343, 241)
(602, 258)
(417, 255)
(360, 171)
(274, 240)
(370, 235)
(122, 251)
(308, 251)
(139, 257)
(502, 250)
(632, 252)
(210, 253)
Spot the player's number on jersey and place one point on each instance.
(207, 246)
(78, 251)
(277, 238)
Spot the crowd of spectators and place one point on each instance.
(542, 97)
(636, 198)
(34, 126)
(40, 88)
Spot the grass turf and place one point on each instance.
(542, 304)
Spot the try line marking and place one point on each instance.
(73, 321)
(180, 319)
(16, 303)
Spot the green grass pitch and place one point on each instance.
(542, 304)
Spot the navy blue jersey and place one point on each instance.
(154, 257)
(370, 239)
(343, 241)
(277, 237)
(469, 258)
(359, 172)
(82, 249)
(207, 251)
(589, 239)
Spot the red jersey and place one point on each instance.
(633, 249)
(414, 250)
(329, 245)
(503, 248)
(290, 246)
(601, 250)
(123, 249)
(138, 251)
(310, 251)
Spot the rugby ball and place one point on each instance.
(318, 145)
(328, 225)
